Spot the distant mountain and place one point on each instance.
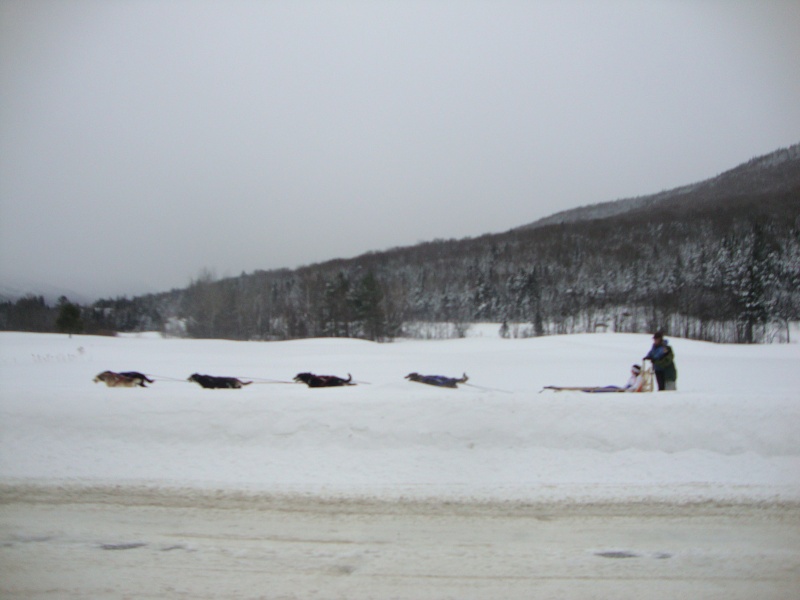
(774, 173)
(716, 260)
(10, 292)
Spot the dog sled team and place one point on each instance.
(661, 357)
(136, 379)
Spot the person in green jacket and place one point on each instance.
(663, 358)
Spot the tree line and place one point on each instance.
(717, 271)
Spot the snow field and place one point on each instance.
(730, 432)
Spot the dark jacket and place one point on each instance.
(663, 357)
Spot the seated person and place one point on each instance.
(635, 383)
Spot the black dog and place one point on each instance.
(139, 378)
(316, 381)
(215, 383)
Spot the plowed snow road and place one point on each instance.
(133, 543)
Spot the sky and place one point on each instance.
(146, 142)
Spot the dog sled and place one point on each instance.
(589, 389)
(645, 385)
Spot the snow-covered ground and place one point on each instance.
(393, 489)
(729, 432)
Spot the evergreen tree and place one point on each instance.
(69, 317)
(368, 308)
(337, 307)
(752, 286)
(30, 313)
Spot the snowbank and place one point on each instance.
(729, 432)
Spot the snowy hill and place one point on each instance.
(774, 173)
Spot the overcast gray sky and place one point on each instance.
(142, 141)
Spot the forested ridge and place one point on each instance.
(718, 261)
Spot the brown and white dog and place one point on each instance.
(112, 379)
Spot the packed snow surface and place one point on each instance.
(729, 432)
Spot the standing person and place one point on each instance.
(663, 359)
